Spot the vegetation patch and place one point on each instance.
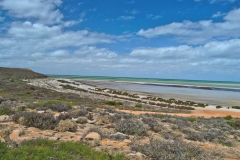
(236, 107)
(228, 117)
(54, 150)
(192, 119)
(38, 120)
(218, 107)
(73, 88)
(164, 150)
(138, 106)
(114, 103)
(66, 125)
(6, 111)
(234, 123)
(132, 127)
(55, 105)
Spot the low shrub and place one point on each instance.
(153, 124)
(82, 120)
(218, 107)
(138, 106)
(132, 127)
(6, 111)
(113, 103)
(236, 107)
(193, 135)
(66, 125)
(235, 124)
(78, 113)
(38, 120)
(64, 116)
(192, 119)
(164, 150)
(213, 135)
(228, 117)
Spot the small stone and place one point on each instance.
(40, 111)
(93, 136)
(119, 136)
(91, 122)
(4, 118)
(136, 156)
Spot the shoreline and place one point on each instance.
(91, 87)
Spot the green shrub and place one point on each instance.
(132, 127)
(192, 119)
(138, 105)
(235, 124)
(32, 88)
(28, 92)
(54, 150)
(218, 107)
(6, 111)
(38, 120)
(228, 117)
(113, 103)
(236, 107)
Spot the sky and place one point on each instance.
(171, 39)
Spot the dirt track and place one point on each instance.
(195, 113)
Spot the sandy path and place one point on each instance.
(195, 113)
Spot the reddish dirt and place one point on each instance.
(115, 144)
(195, 113)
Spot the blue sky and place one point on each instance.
(177, 39)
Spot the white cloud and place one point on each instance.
(29, 40)
(218, 14)
(153, 17)
(126, 17)
(199, 32)
(45, 11)
(215, 1)
(210, 52)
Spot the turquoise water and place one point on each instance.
(221, 85)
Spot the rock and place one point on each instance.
(16, 135)
(93, 136)
(136, 156)
(91, 122)
(119, 136)
(5, 118)
(40, 111)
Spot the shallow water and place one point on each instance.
(211, 92)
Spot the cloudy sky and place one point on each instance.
(176, 39)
